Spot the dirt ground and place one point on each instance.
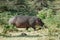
(42, 34)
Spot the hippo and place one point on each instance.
(25, 21)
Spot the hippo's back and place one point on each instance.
(22, 19)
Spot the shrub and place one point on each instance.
(45, 13)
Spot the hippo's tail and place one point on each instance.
(11, 20)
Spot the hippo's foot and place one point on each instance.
(27, 28)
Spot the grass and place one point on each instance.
(43, 34)
(50, 33)
(33, 35)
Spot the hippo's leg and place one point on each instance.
(27, 28)
(33, 26)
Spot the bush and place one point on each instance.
(45, 13)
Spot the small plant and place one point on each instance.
(9, 28)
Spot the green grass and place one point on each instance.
(50, 33)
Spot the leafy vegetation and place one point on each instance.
(45, 10)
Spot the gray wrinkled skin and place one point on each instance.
(26, 21)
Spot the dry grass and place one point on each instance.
(42, 34)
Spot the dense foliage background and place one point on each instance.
(47, 10)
